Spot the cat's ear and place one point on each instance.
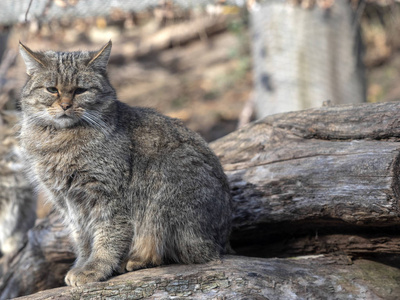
(33, 60)
(100, 58)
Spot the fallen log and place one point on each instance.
(17, 202)
(316, 181)
(41, 263)
(48, 255)
(331, 164)
(236, 277)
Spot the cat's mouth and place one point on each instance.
(64, 120)
(65, 115)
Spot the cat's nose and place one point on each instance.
(65, 105)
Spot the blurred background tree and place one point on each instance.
(192, 59)
(306, 52)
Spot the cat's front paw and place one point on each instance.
(81, 276)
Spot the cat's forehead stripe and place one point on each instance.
(67, 68)
(66, 60)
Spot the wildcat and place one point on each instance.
(136, 188)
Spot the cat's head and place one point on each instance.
(67, 88)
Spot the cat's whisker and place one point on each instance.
(35, 119)
(92, 120)
(95, 121)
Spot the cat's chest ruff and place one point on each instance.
(55, 155)
(57, 160)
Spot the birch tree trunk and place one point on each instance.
(304, 56)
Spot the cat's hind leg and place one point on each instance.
(146, 252)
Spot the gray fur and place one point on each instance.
(136, 188)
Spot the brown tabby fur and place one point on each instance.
(136, 188)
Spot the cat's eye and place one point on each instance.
(52, 90)
(80, 91)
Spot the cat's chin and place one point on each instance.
(64, 122)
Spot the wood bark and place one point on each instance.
(326, 165)
(325, 171)
(235, 277)
(317, 181)
(40, 264)
(17, 202)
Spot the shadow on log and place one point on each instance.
(316, 181)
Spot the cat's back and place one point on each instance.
(154, 132)
(163, 145)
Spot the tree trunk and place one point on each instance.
(309, 182)
(305, 54)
